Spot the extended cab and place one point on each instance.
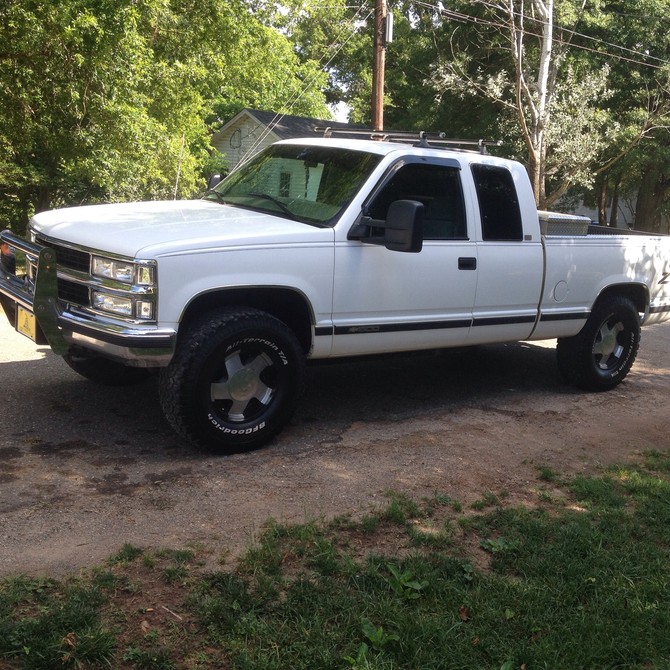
(323, 248)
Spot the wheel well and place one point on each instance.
(287, 305)
(636, 293)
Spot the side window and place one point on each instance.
(438, 188)
(498, 203)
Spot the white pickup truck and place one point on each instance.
(324, 248)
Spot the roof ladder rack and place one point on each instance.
(418, 138)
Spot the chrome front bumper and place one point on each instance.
(36, 293)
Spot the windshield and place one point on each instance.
(304, 183)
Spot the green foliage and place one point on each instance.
(567, 589)
(658, 460)
(451, 70)
(111, 101)
(597, 491)
(338, 36)
(377, 636)
(404, 583)
(359, 661)
(400, 508)
(547, 474)
(498, 545)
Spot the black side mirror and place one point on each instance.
(213, 181)
(403, 229)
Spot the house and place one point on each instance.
(251, 130)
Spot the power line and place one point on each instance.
(584, 36)
(468, 18)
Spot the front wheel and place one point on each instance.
(600, 356)
(234, 381)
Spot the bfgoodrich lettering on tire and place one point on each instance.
(234, 381)
(600, 356)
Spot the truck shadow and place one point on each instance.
(50, 410)
(47, 407)
(405, 385)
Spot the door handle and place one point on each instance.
(467, 263)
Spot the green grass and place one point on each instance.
(48, 624)
(584, 583)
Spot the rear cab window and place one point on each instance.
(498, 203)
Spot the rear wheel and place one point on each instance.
(600, 356)
(234, 381)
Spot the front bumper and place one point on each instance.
(32, 306)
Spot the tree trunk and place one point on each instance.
(614, 213)
(24, 209)
(602, 202)
(536, 178)
(43, 199)
(653, 188)
(533, 98)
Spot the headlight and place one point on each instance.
(107, 268)
(125, 288)
(132, 307)
(112, 303)
(122, 271)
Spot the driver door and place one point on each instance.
(390, 301)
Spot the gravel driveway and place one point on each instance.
(84, 468)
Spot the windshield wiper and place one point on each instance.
(279, 203)
(218, 196)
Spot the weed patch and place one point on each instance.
(580, 583)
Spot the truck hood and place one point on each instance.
(148, 230)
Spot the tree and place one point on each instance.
(553, 97)
(336, 35)
(636, 167)
(651, 204)
(528, 58)
(107, 100)
(546, 76)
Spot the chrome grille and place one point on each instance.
(73, 293)
(73, 259)
(77, 261)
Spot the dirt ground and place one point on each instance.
(85, 469)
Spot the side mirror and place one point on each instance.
(213, 181)
(403, 229)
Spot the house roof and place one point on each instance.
(285, 126)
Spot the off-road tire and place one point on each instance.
(234, 380)
(105, 371)
(600, 356)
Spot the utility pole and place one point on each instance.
(378, 65)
